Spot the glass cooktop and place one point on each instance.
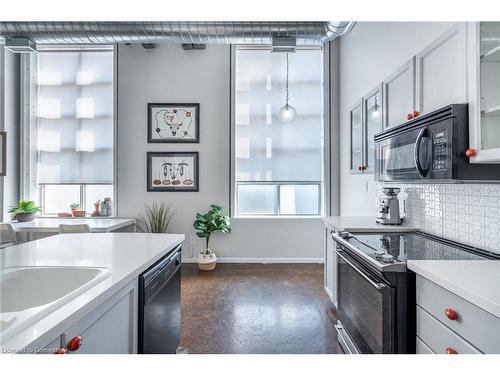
(400, 247)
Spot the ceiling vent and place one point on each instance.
(20, 45)
(191, 46)
(284, 44)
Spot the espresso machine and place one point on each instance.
(391, 210)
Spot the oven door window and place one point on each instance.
(365, 311)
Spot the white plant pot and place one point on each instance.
(207, 260)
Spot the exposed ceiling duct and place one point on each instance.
(176, 32)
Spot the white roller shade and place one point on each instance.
(266, 149)
(75, 117)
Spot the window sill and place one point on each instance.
(72, 217)
(293, 217)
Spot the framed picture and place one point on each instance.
(173, 123)
(172, 171)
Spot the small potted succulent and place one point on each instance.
(207, 224)
(25, 210)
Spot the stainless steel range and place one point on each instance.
(376, 292)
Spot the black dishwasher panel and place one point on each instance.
(160, 306)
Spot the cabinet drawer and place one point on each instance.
(475, 325)
(422, 348)
(111, 328)
(438, 337)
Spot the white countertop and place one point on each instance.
(126, 255)
(51, 225)
(366, 224)
(477, 281)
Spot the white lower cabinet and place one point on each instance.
(109, 329)
(422, 348)
(446, 323)
(330, 271)
(440, 339)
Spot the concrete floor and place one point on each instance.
(256, 308)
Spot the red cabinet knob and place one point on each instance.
(361, 168)
(412, 115)
(470, 152)
(451, 314)
(75, 343)
(451, 351)
(61, 351)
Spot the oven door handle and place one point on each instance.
(378, 286)
(416, 153)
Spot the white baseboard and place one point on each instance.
(260, 260)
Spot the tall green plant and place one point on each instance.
(213, 221)
(157, 218)
(25, 207)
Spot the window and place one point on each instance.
(278, 168)
(71, 128)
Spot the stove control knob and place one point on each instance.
(387, 258)
(343, 234)
(379, 253)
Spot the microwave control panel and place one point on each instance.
(440, 150)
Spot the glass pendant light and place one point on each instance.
(287, 112)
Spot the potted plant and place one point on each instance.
(207, 224)
(74, 207)
(25, 210)
(157, 217)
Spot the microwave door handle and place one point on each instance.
(416, 154)
(378, 286)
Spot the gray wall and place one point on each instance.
(10, 103)
(170, 74)
(368, 55)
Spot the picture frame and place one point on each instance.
(173, 171)
(173, 122)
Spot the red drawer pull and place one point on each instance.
(61, 351)
(451, 351)
(470, 152)
(451, 314)
(75, 343)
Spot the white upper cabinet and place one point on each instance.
(484, 94)
(372, 116)
(441, 71)
(399, 95)
(357, 143)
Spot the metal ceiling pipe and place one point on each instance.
(176, 32)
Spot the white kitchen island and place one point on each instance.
(50, 225)
(122, 257)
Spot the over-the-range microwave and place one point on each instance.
(430, 147)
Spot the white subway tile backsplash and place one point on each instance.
(466, 213)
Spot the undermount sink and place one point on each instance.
(26, 293)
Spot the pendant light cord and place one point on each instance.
(287, 79)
